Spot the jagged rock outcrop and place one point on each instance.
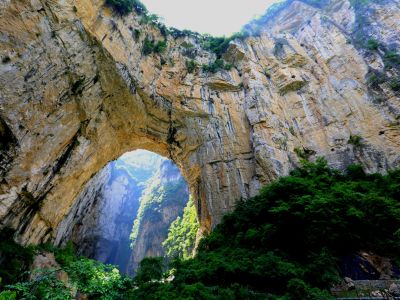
(161, 203)
(76, 91)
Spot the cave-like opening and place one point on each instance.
(129, 209)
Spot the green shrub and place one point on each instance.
(391, 59)
(219, 45)
(292, 131)
(182, 234)
(160, 46)
(372, 44)
(121, 6)
(126, 6)
(44, 286)
(150, 269)
(136, 34)
(15, 259)
(217, 65)
(150, 46)
(395, 84)
(355, 140)
(374, 79)
(8, 295)
(191, 66)
(303, 153)
(96, 279)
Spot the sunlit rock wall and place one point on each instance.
(76, 91)
(163, 200)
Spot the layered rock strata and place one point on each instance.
(77, 91)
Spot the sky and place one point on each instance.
(216, 17)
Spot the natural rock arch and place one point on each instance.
(76, 92)
(92, 109)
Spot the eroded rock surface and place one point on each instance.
(76, 91)
(161, 203)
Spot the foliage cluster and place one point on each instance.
(218, 64)
(126, 6)
(287, 242)
(219, 45)
(92, 278)
(355, 140)
(372, 44)
(303, 153)
(156, 196)
(191, 66)
(14, 259)
(182, 234)
(150, 46)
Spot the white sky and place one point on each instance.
(216, 17)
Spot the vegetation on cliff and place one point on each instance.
(126, 6)
(286, 243)
(14, 259)
(182, 234)
(157, 196)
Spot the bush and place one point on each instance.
(121, 6)
(160, 46)
(14, 259)
(150, 46)
(8, 295)
(303, 153)
(372, 44)
(392, 59)
(96, 279)
(150, 269)
(217, 65)
(219, 45)
(126, 6)
(182, 234)
(355, 140)
(46, 285)
(191, 66)
(395, 84)
(374, 79)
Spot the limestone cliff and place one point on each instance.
(77, 91)
(100, 222)
(161, 203)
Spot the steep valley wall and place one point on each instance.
(77, 91)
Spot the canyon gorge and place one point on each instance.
(124, 212)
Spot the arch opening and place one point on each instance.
(127, 210)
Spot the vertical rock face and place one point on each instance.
(162, 202)
(76, 91)
(141, 187)
(101, 220)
